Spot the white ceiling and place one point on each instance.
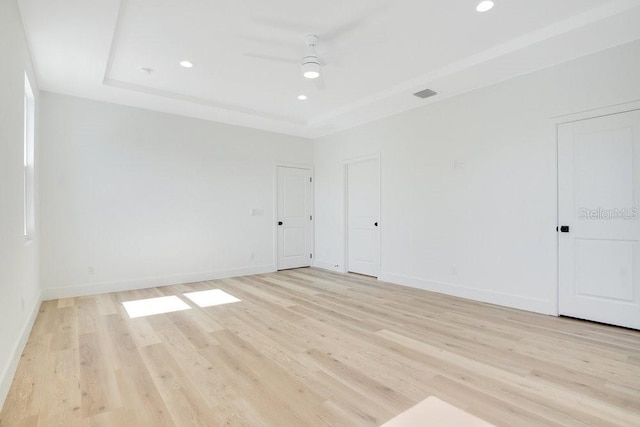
(376, 53)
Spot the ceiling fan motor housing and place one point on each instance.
(312, 40)
(310, 67)
(310, 62)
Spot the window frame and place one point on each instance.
(29, 160)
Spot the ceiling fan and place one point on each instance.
(310, 64)
(312, 68)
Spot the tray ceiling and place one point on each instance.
(246, 53)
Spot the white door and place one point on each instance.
(599, 189)
(294, 219)
(363, 212)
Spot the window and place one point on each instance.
(29, 148)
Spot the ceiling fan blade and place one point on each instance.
(274, 41)
(272, 58)
(304, 28)
(281, 24)
(301, 30)
(363, 19)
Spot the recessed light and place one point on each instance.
(186, 64)
(302, 97)
(485, 6)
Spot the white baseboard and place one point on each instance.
(329, 266)
(150, 282)
(508, 300)
(6, 378)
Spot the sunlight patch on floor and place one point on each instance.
(151, 306)
(211, 297)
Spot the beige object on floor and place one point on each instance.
(437, 413)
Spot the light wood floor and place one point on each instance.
(308, 347)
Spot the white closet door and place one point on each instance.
(294, 218)
(363, 211)
(599, 189)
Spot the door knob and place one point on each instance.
(564, 228)
(375, 223)
(279, 222)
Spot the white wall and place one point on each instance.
(19, 289)
(486, 230)
(147, 199)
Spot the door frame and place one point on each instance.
(571, 118)
(274, 226)
(345, 202)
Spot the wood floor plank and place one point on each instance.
(186, 405)
(268, 376)
(65, 332)
(238, 413)
(61, 400)
(97, 381)
(271, 407)
(142, 402)
(214, 386)
(45, 321)
(23, 402)
(315, 348)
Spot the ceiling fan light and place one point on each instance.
(311, 69)
(311, 74)
(484, 6)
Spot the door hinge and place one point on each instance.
(310, 179)
(310, 217)
(310, 255)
